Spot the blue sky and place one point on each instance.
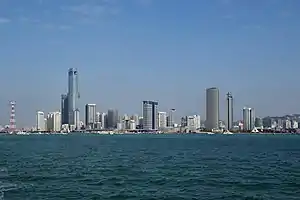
(127, 51)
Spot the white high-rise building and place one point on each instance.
(248, 119)
(40, 121)
(98, 114)
(54, 121)
(294, 124)
(135, 117)
(162, 120)
(103, 120)
(287, 124)
(193, 122)
(78, 123)
(132, 125)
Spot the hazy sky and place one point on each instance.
(127, 51)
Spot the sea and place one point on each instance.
(150, 167)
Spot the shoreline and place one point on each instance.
(141, 133)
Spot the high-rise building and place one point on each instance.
(73, 95)
(229, 109)
(162, 120)
(90, 116)
(193, 122)
(98, 115)
(40, 121)
(54, 121)
(77, 119)
(112, 118)
(103, 120)
(170, 118)
(212, 108)
(141, 122)
(183, 121)
(135, 118)
(259, 123)
(248, 119)
(64, 109)
(150, 115)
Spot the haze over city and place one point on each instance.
(135, 50)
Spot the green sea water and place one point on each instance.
(150, 167)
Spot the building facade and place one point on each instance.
(212, 108)
(73, 95)
(229, 111)
(103, 120)
(162, 120)
(170, 118)
(64, 109)
(90, 116)
(150, 115)
(40, 121)
(193, 122)
(248, 119)
(112, 118)
(78, 123)
(54, 121)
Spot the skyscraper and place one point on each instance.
(112, 118)
(54, 121)
(229, 109)
(162, 120)
(193, 122)
(73, 95)
(170, 119)
(40, 121)
(248, 119)
(90, 116)
(64, 109)
(103, 120)
(150, 115)
(212, 108)
(77, 119)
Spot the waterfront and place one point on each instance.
(167, 166)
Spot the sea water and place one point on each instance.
(170, 167)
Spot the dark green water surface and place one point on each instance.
(150, 167)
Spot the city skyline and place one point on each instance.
(210, 44)
(212, 107)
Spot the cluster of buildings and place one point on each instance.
(68, 118)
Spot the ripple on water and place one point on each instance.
(150, 167)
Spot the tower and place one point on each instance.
(40, 121)
(229, 107)
(112, 118)
(73, 95)
(64, 109)
(12, 120)
(170, 121)
(90, 116)
(212, 108)
(248, 118)
(150, 115)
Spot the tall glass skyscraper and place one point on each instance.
(150, 115)
(229, 113)
(212, 108)
(73, 95)
(64, 109)
(112, 118)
